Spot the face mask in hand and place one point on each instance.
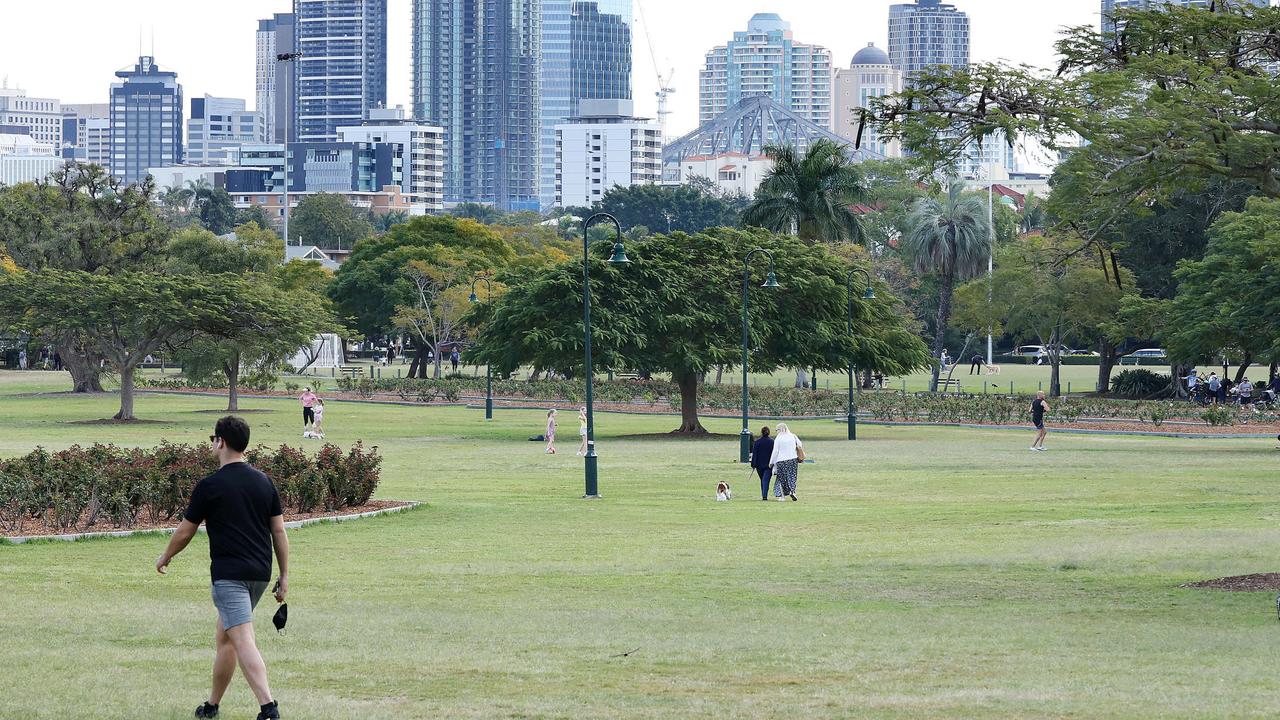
(281, 617)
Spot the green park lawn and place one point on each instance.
(924, 573)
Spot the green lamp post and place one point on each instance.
(488, 367)
(868, 295)
(744, 444)
(618, 257)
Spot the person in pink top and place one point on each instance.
(308, 409)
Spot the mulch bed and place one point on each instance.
(34, 527)
(1257, 582)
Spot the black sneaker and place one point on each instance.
(207, 711)
(270, 711)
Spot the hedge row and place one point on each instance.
(79, 488)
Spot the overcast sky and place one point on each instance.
(69, 49)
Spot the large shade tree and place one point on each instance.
(948, 238)
(677, 308)
(81, 218)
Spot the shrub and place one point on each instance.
(1141, 383)
(79, 487)
(1220, 415)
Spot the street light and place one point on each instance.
(868, 295)
(618, 257)
(488, 367)
(744, 443)
(288, 101)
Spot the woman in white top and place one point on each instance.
(788, 451)
(551, 432)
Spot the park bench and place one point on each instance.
(352, 371)
(626, 376)
(945, 384)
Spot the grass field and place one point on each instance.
(924, 573)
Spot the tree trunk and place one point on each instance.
(85, 368)
(689, 422)
(126, 393)
(417, 361)
(814, 384)
(1106, 362)
(802, 378)
(1241, 369)
(232, 370)
(439, 362)
(940, 328)
(719, 373)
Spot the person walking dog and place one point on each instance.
(761, 453)
(241, 511)
(788, 453)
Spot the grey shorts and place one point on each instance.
(236, 599)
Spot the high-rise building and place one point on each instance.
(407, 153)
(1109, 7)
(586, 55)
(86, 133)
(602, 147)
(869, 75)
(766, 60)
(476, 75)
(218, 127)
(146, 120)
(343, 70)
(41, 116)
(927, 33)
(274, 79)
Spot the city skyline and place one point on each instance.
(219, 60)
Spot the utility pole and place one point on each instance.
(288, 103)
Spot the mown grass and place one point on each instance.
(924, 573)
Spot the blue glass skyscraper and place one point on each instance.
(343, 70)
(476, 74)
(586, 55)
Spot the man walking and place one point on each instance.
(241, 511)
(1215, 388)
(1038, 408)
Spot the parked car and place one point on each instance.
(1084, 353)
(1149, 356)
(1034, 350)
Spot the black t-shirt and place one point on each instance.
(236, 504)
(1037, 411)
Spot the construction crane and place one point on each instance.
(664, 84)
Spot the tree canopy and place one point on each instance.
(687, 208)
(811, 193)
(328, 221)
(677, 308)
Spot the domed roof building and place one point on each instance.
(870, 75)
(870, 55)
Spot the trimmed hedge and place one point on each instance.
(78, 488)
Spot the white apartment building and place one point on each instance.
(218, 128)
(605, 146)
(869, 75)
(766, 60)
(732, 172)
(408, 153)
(23, 159)
(42, 117)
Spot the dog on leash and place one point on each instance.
(993, 369)
(723, 491)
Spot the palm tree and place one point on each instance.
(951, 240)
(810, 194)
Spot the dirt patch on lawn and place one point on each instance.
(35, 527)
(1256, 582)
(241, 411)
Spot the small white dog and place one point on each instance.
(723, 491)
(993, 369)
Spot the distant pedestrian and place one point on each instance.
(582, 432)
(761, 454)
(308, 400)
(241, 512)
(551, 432)
(1038, 408)
(57, 361)
(976, 363)
(1245, 391)
(1216, 391)
(788, 453)
(454, 357)
(22, 359)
